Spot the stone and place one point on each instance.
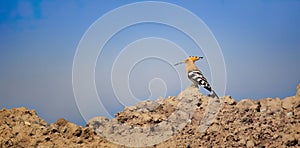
(290, 103)
(271, 105)
(27, 123)
(229, 100)
(246, 104)
(289, 114)
(290, 140)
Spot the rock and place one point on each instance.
(270, 105)
(290, 140)
(250, 144)
(289, 114)
(242, 142)
(27, 123)
(229, 100)
(130, 108)
(291, 103)
(246, 105)
(61, 122)
(214, 128)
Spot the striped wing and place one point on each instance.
(197, 77)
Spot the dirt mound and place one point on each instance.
(247, 123)
(20, 127)
(156, 121)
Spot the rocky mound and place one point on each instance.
(20, 127)
(247, 123)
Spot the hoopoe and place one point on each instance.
(195, 75)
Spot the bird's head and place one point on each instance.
(193, 58)
(190, 59)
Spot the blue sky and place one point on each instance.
(38, 39)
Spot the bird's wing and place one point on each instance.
(197, 76)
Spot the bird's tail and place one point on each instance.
(213, 94)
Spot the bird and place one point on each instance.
(196, 76)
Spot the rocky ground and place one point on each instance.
(270, 122)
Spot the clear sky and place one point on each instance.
(38, 40)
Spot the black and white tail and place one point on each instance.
(213, 94)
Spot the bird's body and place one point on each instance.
(196, 76)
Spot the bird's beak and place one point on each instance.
(179, 63)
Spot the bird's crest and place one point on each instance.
(190, 58)
(194, 58)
